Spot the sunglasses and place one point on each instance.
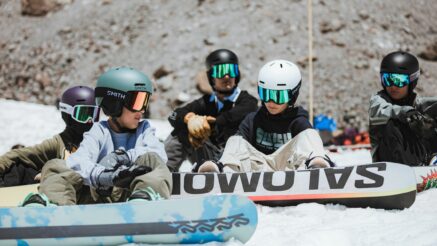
(137, 101)
(220, 70)
(81, 113)
(397, 79)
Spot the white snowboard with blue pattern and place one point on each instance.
(192, 220)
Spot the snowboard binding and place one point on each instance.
(36, 200)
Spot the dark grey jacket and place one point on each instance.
(382, 109)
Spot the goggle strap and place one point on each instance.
(65, 108)
(414, 75)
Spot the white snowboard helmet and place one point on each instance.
(279, 81)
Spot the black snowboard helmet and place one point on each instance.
(401, 62)
(78, 95)
(221, 56)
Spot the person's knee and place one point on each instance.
(162, 186)
(54, 165)
(235, 139)
(150, 159)
(59, 167)
(160, 181)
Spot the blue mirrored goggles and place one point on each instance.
(397, 79)
(276, 96)
(220, 70)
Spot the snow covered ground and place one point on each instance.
(305, 224)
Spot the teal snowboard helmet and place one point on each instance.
(123, 87)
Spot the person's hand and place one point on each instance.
(121, 176)
(195, 142)
(115, 159)
(198, 125)
(428, 127)
(411, 116)
(319, 162)
(37, 177)
(421, 124)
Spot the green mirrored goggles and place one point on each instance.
(81, 113)
(276, 96)
(220, 70)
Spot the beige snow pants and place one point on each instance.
(240, 156)
(64, 186)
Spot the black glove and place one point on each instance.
(421, 124)
(410, 116)
(122, 176)
(315, 165)
(115, 159)
(104, 191)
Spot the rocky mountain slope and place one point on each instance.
(42, 55)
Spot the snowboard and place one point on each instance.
(192, 220)
(426, 177)
(12, 196)
(377, 185)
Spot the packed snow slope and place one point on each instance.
(305, 224)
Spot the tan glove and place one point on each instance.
(198, 125)
(195, 142)
(37, 177)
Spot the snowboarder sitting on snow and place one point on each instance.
(122, 152)
(402, 124)
(202, 127)
(21, 166)
(279, 135)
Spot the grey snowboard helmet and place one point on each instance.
(123, 87)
